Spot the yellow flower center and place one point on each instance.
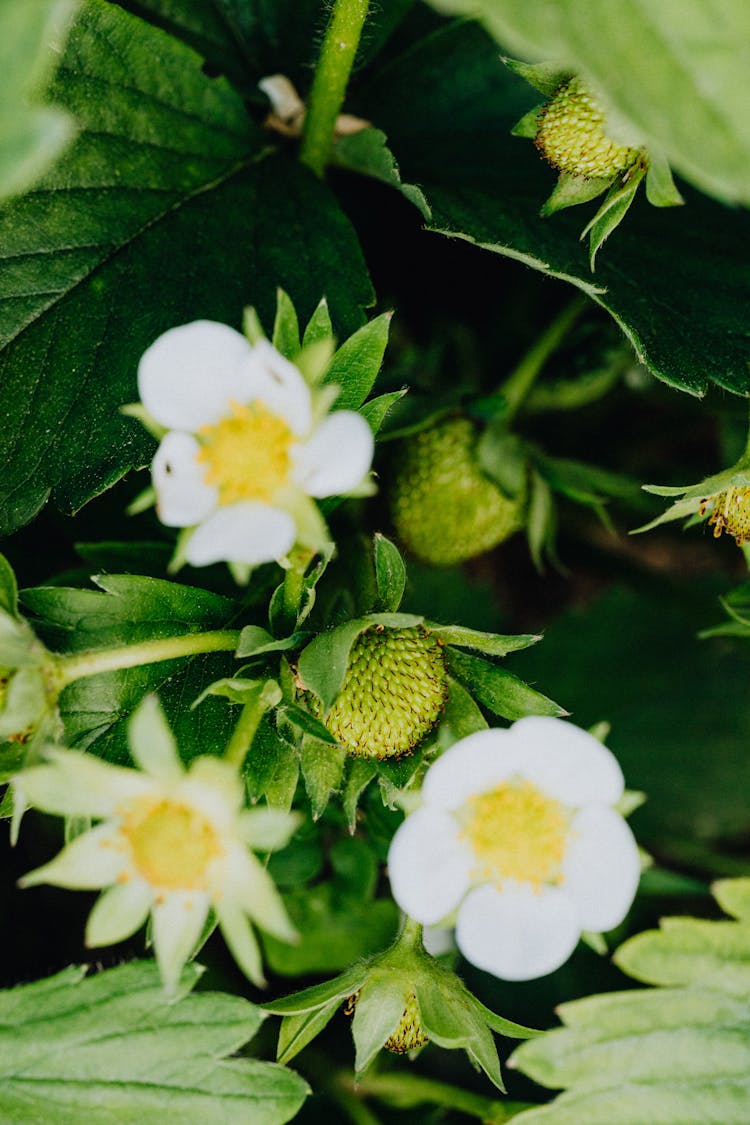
(516, 832)
(730, 513)
(247, 455)
(171, 844)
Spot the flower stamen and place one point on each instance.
(171, 844)
(247, 454)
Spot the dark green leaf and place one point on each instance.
(675, 279)
(156, 216)
(502, 692)
(114, 1047)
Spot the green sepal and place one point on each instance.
(541, 521)
(571, 190)
(306, 723)
(660, 186)
(318, 995)
(460, 718)
(256, 641)
(498, 690)
(613, 210)
(322, 770)
(313, 361)
(546, 77)
(379, 1009)
(285, 327)
(138, 411)
(528, 125)
(503, 458)
(733, 896)
(690, 497)
(390, 574)
(360, 773)
(355, 366)
(8, 588)
(377, 409)
(319, 326)
(251, 326)
(240, 690)
(297, 1031)
(493, 644)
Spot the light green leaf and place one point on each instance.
(32, 136)
(678, 1054)
(672, 75)
(114, 1047)
(163, 211)
(502, 692)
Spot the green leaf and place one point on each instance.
(32, 136)
(733, 896)
(114, 1047)
(502, 692)
(356, 364)
(162, 212)
(8, 587)
(367, 152)
(671, 74)
(677, 1054)
(128, 609)
(390, 574)
(493, 644)
(674, 279)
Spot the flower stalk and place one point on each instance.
(520, 381)
(78, 666)
(245, 730)
(331, 77)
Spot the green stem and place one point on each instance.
(75, 667)
(745, 458)
(245, 730)
(520, 381)
(405, 1090)
(331, 77)
(411, 934)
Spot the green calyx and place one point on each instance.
(444, 508)
(393, 692)
(571, 135)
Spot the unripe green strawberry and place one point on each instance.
(393, 692)
(409, 1035)
(730, 512)
(444, 508)
(571, 135)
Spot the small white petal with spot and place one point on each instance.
(182, 496)
(191, 374)
(77, 784)
(247, 532)
(89, 862)
(280, 386)
(566, 762)
(473, 765)
(601, 868)
(118, 913)
(152, 743)
(177, 920)
(429, 866)
(337, 457)
(517, 933)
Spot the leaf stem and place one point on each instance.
(520, 381)
(331, 77)
(77, 666)
(245, 730)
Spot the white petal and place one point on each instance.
(473, 765)
(336, 457)
(428, 866)
(92, 861)
(241, 941)
(191, 374)
(250, 885)
(279, 384)
(601, 868)
(247, 532)
(182, 496)
(567, 763)
(517, 933)
(76, 784)
(152, 743)
(118, 913)
(178, 920)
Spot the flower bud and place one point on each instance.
(393, 692)
(571, 135)
(444, 508)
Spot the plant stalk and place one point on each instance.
(245, 730)
(520, 381)
(331, 77)
(76, 667)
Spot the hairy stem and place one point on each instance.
(245, 730)
(76, 667)
(331, 77)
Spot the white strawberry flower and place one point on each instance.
(519, 835)
(172, 843)
(244, 453)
